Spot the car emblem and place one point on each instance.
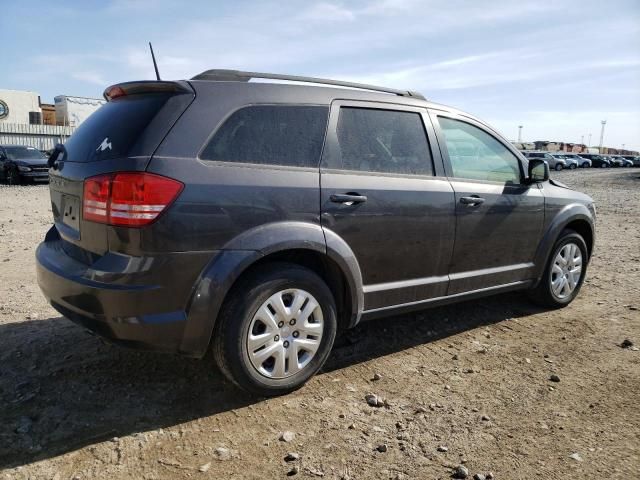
(104, 145)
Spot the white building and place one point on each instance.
(20, 107)
(75, 110)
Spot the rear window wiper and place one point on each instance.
(58, 154)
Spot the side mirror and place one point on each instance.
(538, 170)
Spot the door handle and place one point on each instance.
(348, 198)
(472, 201)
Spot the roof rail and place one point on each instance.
(240, 76)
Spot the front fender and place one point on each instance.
(240, 253)
(568, 214)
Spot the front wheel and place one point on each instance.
(276, 329)
(558, 167)
(573, 166)
(564, 273)
(13, 176)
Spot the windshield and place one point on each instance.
(23, 153)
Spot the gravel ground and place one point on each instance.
(464, 385)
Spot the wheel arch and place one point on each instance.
(576, 217)
(299, 243)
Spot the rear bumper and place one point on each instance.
(137, 301)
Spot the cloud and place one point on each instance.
(328, 12)
(90, 77)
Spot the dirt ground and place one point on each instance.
(472, 379)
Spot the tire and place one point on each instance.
(558, 167)
(12, 176)
(544, 294)
(604, 165)
(241, 315)
(572, 167)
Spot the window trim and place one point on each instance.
(233, 111)
(434, 114)
(330, 164)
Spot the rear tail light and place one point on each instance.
(130, 199)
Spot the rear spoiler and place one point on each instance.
(143, 87)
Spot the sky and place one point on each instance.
(555, 67)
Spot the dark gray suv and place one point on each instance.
(257, 219)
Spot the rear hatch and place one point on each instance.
(121, 136)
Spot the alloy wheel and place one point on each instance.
(285, 333)
(566, 270)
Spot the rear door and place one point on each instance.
(382, 191)
(499, 217)
(120, 136)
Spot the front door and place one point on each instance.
(499, 218)
(381, 193)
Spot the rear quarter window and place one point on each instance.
(288, 135)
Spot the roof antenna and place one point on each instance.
(155, 65)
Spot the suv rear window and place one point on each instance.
(385, 141)
(270, 134)
(112, 130)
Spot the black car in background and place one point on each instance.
(257, 219)
(19, 163)
(615, 162)
(597, 160)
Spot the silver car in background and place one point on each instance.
(554, 162)
(571, 162)
(634, 159)
(582, 161)
(625, 161)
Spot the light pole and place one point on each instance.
(589, 141)
(519, 133)
(582, 140)
(603, 122)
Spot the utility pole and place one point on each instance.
(589, 141)
(603, 122)
(519, 133)
(582, 140)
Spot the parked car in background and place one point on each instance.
(20, 163)
(635, 160)
(257, 219)
(624, 160)
(615, 162)
(571, 162)
(582, 161)
(554, 162)
(597, 160)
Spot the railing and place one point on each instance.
(43, 137)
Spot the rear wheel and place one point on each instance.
(276, 329)
(573, 166)
(564, 273)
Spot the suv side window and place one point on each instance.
(476, 155)
(289, 135)
(385, 141)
